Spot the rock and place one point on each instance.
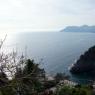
(86, 63)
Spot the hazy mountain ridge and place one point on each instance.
(84, 28)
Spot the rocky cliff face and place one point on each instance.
(86, 62)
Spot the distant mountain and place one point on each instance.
(84, 28)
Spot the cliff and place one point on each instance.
(86, 62)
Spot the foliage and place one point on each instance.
(67, 90)
(25, 77)
(27, 81)
(49, 84)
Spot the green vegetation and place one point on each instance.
(81, 90)
(31, 80)
(26, 81)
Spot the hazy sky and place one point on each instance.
(38, 15)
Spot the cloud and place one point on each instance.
(28, 15)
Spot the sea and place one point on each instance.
(54, 51)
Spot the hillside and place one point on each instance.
(84, 28)
(86, 63)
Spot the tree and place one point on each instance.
(29, 79)
(18, 75)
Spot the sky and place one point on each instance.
(44, 15)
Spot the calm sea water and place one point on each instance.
(57, 49)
